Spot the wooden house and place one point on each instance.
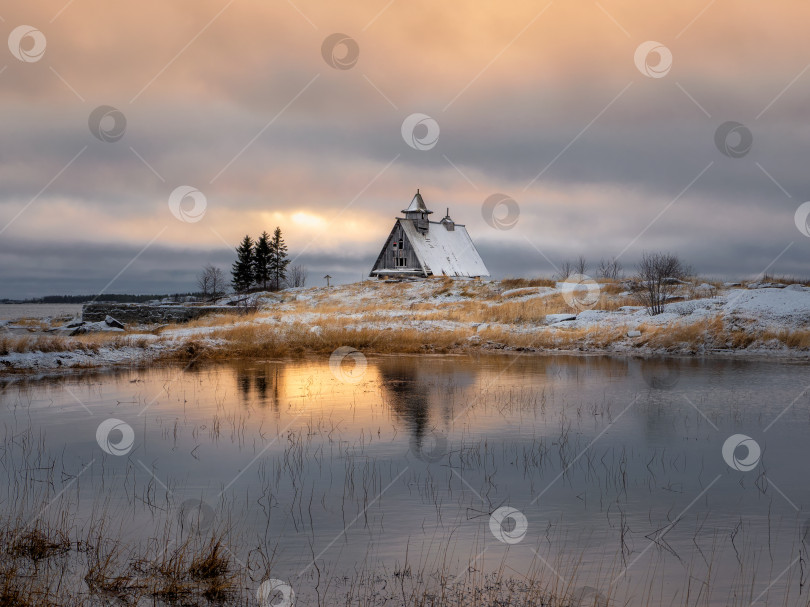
(419, 247)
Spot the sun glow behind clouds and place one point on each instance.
(309, 220)
(519, 90)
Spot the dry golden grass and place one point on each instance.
(212, 320)
(517, 283)
(91, 342)
(38, 343)
(798, 339)
(556, 338)
(266, 341)
(328, 319)
(34, 324)
(709, 333)
(785, 280)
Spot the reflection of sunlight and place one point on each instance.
(308, 384)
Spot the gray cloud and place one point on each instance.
(222, 103)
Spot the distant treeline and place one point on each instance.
(114, 297)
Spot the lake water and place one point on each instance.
(679, 482)
(18, 311)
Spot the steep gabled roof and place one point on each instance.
(445, 252)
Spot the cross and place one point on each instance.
(327, 277)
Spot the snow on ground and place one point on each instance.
(789, 306)
(38, 361)
(434, 306)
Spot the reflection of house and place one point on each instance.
(408, 398)
(422, 392)
(417, 246)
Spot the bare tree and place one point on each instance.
(658, 275)
(565, 270)
(297, 276)
(581, 265)
(204, 283)
(218, 282)
(609, 268)
(211, 282)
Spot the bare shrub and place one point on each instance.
(658, 275)
(564, 271)
(211, 282)
(581, 265)
(610, 269)
(297, 276)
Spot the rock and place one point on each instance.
(78, 331)
(634, 334)
(141, 314)
(482, 327)
(732, 284)
(552, 319)
(74, 323)
(111, 322)
(795, 287)
(592, 315)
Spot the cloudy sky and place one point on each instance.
(616, 127)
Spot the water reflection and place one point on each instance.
(260, 384)
(598, 453)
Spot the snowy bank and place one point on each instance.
(452, 316)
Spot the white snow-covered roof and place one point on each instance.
(445, 252)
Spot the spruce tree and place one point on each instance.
(242, 268)
(261, 260)
(278, 259)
